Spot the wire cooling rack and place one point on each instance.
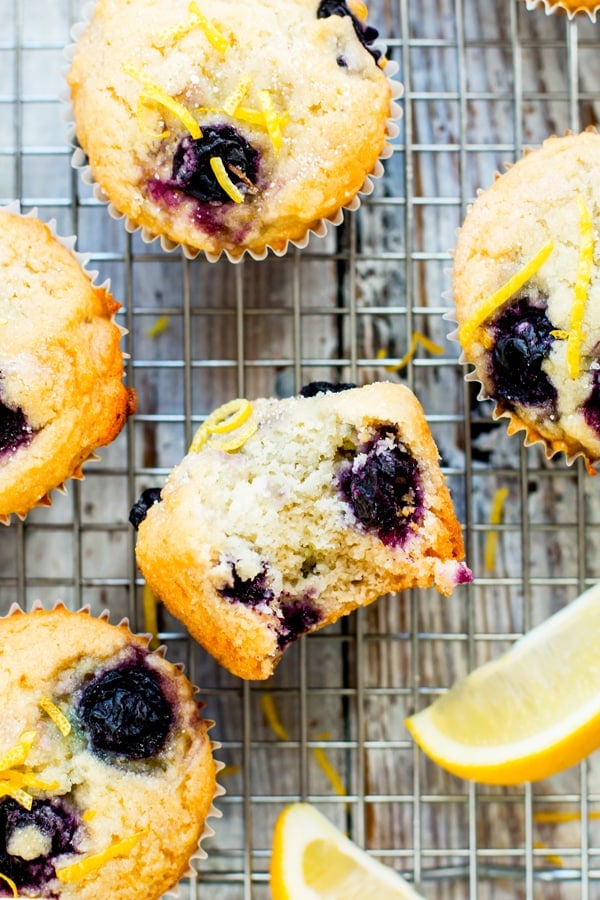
(482, 81)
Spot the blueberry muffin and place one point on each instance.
(230, 127)
(287, 514)
(61, 367)
(527, 295)
(106, 768)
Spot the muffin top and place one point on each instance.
(527, 293)
(105, 760)
(61, 366)
(229, 126)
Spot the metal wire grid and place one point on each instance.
(480, 84)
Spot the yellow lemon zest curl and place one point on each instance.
(220, 172)
(12, 783)
(234, 417)
(486, 309)
(11, 884)
(56, 715)
(79, 870)
(582, 282)
(212, 33)
(491, 538)
(416, 339)
(152, 93)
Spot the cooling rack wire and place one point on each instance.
(482, 81)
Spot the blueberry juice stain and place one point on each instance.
(57, 824)
(14, 430)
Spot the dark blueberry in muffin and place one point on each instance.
(299, 616)
(192, 172)
(124, 711)
(381, 485)
(57, 825)
(523, 341)
(14, 430)
(591, 407)
(324, 387)
(140, 508)
(365, 34)
(250, 591)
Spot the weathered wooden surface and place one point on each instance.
(483, 80)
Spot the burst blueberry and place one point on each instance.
(591, 407)
(381, 485)
(140, 508)
(522, 342)
(249, 591)
(324, 387)
(14, 430)
(299, 616)
(57, 824)
(125, 712)
(192, 172)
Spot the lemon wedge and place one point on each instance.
(530, 713)
(312, 860)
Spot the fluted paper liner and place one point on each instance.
(123, 624)
(83, 259)
(551, 7)
(80, 162)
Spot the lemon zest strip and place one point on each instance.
(271, 714)
(235, 98)
(154, 94)
(158, 327)
(558, 818)
(582, 281)
(89, 814)
(11, 884)
(560, 334)
(18, 754)
(22, 797)
(327, 766)
(142, 104)
(491, 538)
(272, 118)
(227, 418)
(80, 869)
(416, 339)
(229, 445)
(551, 858)
(491, 304)
(57, 716)
(150, 605)
(212, 33)
(220, 173)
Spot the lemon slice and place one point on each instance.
(530, 713)
(312, 860)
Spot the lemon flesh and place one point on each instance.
(530, 713)
(312, 860)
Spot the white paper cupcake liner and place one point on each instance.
(551, 7)
(213, 812)
(83, 259)
(79, 161)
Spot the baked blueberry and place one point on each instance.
(298, 617)
(51, 828)
(365, 34)
(14, 430)
(192, 172)
(324, 387)
(381, 485)
(140, 508)
(124, 712)
(522, 341)
(250, 591)
(591, 407)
